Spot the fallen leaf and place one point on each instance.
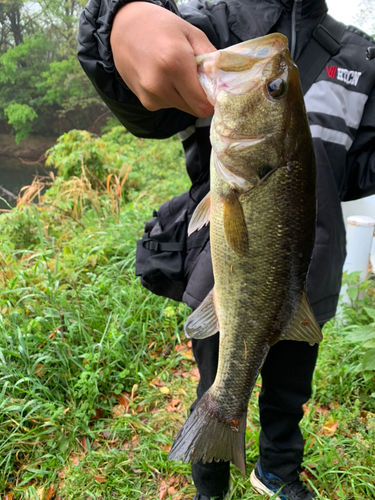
(40, 493)
(306, 410)
(124, 399)
(323, 411)
(195, 373)
(167, 448)
(163, 491)
(99, 412)
(9, 496)
(330, 427)
(173, 481)
(188, 355)
(118, 411)
(100, 478)
(172, 491)
(61, 474)
(75, 460)
(158, 382)
(306, 474)
(40, 370)
(172, 409)
(164, 390)
(181, 347)
(134, 392)
(333, 405)
(84, 444)
(50, 492)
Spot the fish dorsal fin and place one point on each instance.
(304, 326)
(202, 323)
(201, 215)
(234, 223)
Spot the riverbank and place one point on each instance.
(30, 149)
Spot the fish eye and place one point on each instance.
(276, 88)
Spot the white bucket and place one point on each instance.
(359, 234)
(359, 238)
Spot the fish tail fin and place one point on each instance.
(208, 438)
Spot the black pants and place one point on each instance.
(286, 386)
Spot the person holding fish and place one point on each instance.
(268, 274)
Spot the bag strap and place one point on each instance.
(324, 43)
(172, 246)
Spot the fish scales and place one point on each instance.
(263, 277)
(262, 209)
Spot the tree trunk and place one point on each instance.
(14, 17)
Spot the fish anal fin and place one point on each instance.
(203, 323)
(304, 326)
(235, 229)
(201, 215)
(206, 437)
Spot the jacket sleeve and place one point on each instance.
(95, 56)
(361, 157)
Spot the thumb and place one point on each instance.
(200, 43)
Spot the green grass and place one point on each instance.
(79, 336)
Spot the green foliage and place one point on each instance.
(19, 69)
(19, 230)
(39, 68)
(80, 149)
(116, 151)
(94, 380)
(76, 331)
(66, 85)
(359, 321)
(21, 117)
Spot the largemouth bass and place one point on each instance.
(262, 211)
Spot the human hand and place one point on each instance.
(154, 52)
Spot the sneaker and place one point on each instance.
(270, 484)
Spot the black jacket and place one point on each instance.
(340, 106)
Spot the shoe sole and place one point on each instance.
(260, 487)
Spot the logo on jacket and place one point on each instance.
(343, 75)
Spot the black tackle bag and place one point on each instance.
(165, 254)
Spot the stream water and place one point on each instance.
(14, 175)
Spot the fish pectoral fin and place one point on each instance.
(235, 229)
(304, 326)
(202, 323)
(201, 215)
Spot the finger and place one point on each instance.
(190, 88)
(172, 100)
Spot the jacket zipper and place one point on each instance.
(293, 35)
